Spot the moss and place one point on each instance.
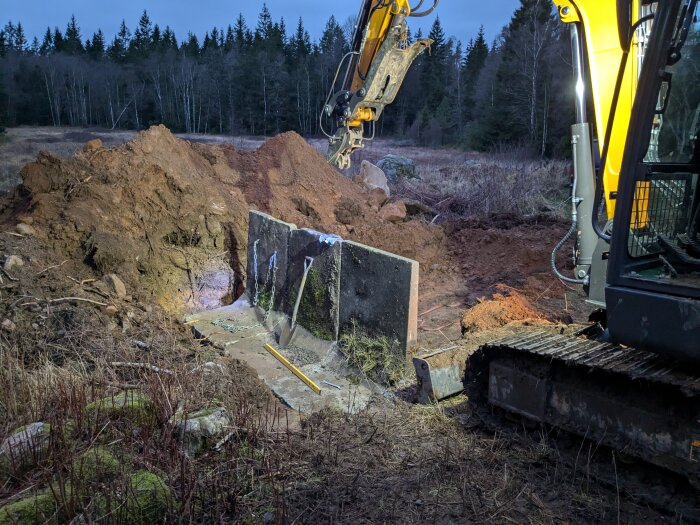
(145, 500)
(96, 464)
(131, 404)
(377, 357)
(314, 308)
(33, 510)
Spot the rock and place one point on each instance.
(471, 163)
(201, 429)
(146, 500)
(208, 368)
(25, 447)
(130, 404)
(95, 464)
(25, 229)
(32, 510)
(372, 177)
(111, 310)
(12, 262)
(116, 285)
(92, 146)
(377, 197)
(8, 326)
(393, 212)
(396, 167)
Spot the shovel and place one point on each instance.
(288, 328)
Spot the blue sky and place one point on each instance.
(461, 18)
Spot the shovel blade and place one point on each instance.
(286, 334)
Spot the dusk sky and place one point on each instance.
(461, 18)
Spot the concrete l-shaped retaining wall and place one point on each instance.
(350, 286)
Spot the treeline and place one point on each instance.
(265, 79)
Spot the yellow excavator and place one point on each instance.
(631, 381)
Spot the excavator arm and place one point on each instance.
(375, 69)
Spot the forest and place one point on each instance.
(262, 79)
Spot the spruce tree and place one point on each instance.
(140, 45)
(47, 43)
(72, 43)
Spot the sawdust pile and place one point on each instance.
(170, 217)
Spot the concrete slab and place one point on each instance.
(379, 291)
(238, 331)
(318, 309)
(267, 237)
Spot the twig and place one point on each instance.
(52, 267)
(65, 299)
(9, 276)
(15, 234)
(146, 366)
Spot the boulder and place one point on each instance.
(372, 177)
(8, 326)
(25, 229)
(92, 146)
(377, 197)
(393, 212)
(146, 500)
(38, 509)
(130, 404)
(115, 284)
(396, 167)
(25, 447)
(200, 430)
(12, 262)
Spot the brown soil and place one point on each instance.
(170, 217)
(502, 309)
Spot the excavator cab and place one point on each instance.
(653, 292)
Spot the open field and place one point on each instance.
(170, 219)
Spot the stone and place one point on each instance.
(372, 177)
(414, 207)
(92, 146)
(96, 464)
(130, 404)
(379, 294)
(25, 229)
(38, 509)
(12, 262)
(200, 430)
(396, 167)
(111, 310)
(318, 309)
(115, 284)
(8, 326)
(25, 447)
(393, 212)
(377, 197)
(147, 499)
(267, 237)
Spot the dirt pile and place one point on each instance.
(503, 308)
(170, 217)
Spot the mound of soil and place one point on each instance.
(170, 217)
(502, 309)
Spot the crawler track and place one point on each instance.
(638, 403)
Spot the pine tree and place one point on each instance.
(474, 61)
(140, 45)
(242, 33)
(263, 31)
(96, 50)
(20, 43)
(156, 38)
(57, 40)
(119, 47)
(191, 46)
(72, 43)
(3, 43)
(47, 43)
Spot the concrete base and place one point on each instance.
(237, 330)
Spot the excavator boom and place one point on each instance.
(375, 69)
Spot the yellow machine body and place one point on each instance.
(599, 22)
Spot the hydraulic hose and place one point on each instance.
(427, 11)
(574, 224)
